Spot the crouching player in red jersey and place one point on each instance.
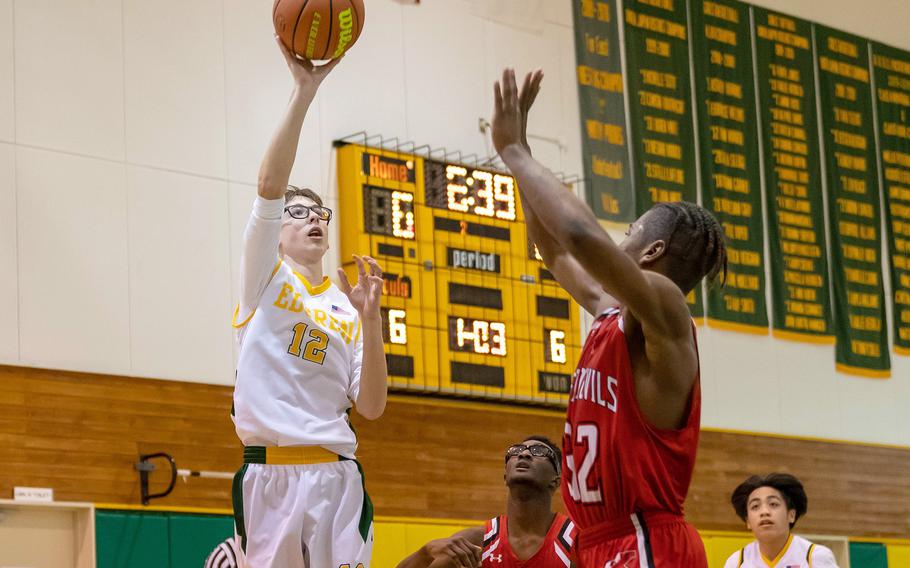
(635, 405)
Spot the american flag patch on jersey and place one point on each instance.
(339, 310)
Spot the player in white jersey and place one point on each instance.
(770, 506)
(308, 350)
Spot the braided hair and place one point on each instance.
(694, 240)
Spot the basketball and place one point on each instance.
(318, 29)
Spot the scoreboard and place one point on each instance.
(468, 308)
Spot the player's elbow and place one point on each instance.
(269, 188)
(578, 236)
(371, 411)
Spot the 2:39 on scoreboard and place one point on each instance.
(467, 309)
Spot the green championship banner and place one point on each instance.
(801, 308)
(891, 79)
(851, 179)
(728, 154)
(660, 107)
(608, 182)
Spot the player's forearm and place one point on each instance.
(275, 169)
(373, 393)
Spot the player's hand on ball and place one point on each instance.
(306, 74)
(454, 551)
(507, 120)
(366, 294)
(526, 97)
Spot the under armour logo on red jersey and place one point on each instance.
(624, 559)
(495, 558)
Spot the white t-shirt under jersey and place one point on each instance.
(797, 553)
(300, 349)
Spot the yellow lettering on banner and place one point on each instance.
(606, 168)
(661, 125)
(792, 175)
(719, 34)
(893, 97)
(660, 102)
(611, 133)
(853, 185)
(717, 57)
(587, 8)
(742, 281)
(783, 72)
(792, 204)
(736, 232)
(720, 11)
(790, 160)
(903, 245)
(791, 146)
(657, 47)
(896, 129)
(849, 139)
(603, 12)
(862, 299)
(803, 279)
(865, 348)
(856, 230)
(782, 22)
(609, 203)
(898, 175)
(862, 254)
(785, 38)
(784, 52)
(859, 276)
(744, 257)
(602, 80)
(843, 69)
(726, 111)
(784, 115)
(795, 132)
(658, 79)
(665, 173)
(726, 88)
(787, 102)
(655, 24)
(660, 195)
(804, 323)
(799, 249)
(899, 82)
(899, 210)
(597, 45)
(732, 207)
(849, 117)
(731, 183)
(891, 64)
(663, 149)
(899, 192)
(853, 207)
(905, 282)
(902, 297)
(802, 294)
(794, 234)
(795, 219)
(796, 263)
(850, 162)
(843, 47)
(729, 159)
(793, 190)
(804, 308)
(662, 4)
(846, 92)
(895, 157)
(727, 135)
(740, 305)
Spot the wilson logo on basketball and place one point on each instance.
(314, 31)
(346, 23)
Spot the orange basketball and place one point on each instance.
(318, 29)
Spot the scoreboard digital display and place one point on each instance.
(468, 308)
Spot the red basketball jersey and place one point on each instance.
(556, 550)
(615, 463)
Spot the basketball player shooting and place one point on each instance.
(635, 405)
(307, 349)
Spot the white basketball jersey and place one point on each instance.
(299, 366)
(797, 553)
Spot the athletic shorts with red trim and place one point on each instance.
(644, 540)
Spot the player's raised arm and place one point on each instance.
(461, 550)
(371, 398)
(568, 272)
(574, 227)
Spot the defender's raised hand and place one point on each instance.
(507, 120)
(526, 97)
(366, 294)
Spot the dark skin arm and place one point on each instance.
(655, 308)
(568, 272)
(461, 550)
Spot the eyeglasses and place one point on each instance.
(298, 211)
(536, 450)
